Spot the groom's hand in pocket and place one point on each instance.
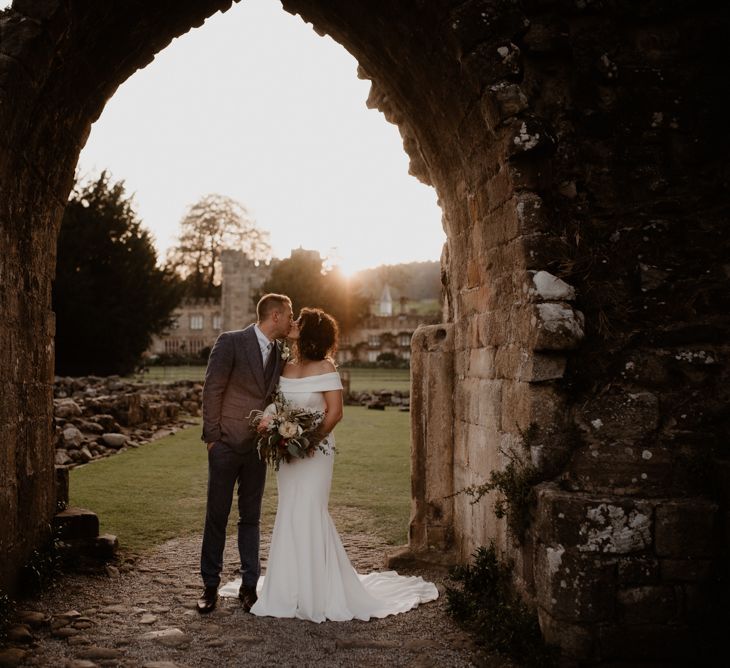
(210, 446)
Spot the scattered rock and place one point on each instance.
(115, 441)
(148, 619)
(105, 546)
(75, 523)
(159, 609)
(114, 610)
(80, 663)
(66, 408)
(85, 454)
(62, 458)
(72, 437)
(20, 633)
(95, 653)
(12, 656)
(161, 664)
(167, 637)
(77, 641)
(65, 632)
(33, 618)
(112, 571)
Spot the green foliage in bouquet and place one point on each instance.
(488, 606)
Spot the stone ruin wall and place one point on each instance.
(598, 166)
(579, 139)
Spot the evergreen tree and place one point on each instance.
(109, 295)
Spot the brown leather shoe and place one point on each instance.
(206, 603)
(248, 597)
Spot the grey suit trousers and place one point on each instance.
(226, 467)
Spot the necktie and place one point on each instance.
(270, 363)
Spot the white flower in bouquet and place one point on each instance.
(290, 429)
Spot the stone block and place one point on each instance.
(576, 641)
(478, 401)
(648, 605)
(537, 367)
(507, 361)
(620, 416)
(493, 328)
(433, 338)
(481, 363)
(76, 523)
(686, 570)
(658, 642)
(593, 525)
(502, 101)
(498, 189)
(638, 571)
(546, 287)
(471, 301)
(105, 546)
(524, 404)
(528, 135)
(687, 528)
(614, 468)
(492, 62)
(575, 587)
(556, 326)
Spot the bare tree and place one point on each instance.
(213, 224)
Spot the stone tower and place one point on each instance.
(242, 282)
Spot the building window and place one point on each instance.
(372, 355)
(404, 340)
(374, 340)
(196, 322)
(217, 322)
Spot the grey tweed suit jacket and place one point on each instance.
(234, 386)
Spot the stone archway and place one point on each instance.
(563, 139)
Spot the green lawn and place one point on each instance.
(361, 379)
(148, 495)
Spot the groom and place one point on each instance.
(243, 370)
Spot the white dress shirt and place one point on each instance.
(265, 344)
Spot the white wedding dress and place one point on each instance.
(309, 575)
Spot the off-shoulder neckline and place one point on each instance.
(314, 375)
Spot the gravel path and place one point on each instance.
(142, 614)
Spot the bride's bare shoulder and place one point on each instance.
(327, 366)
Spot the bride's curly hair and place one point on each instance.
(318, 333)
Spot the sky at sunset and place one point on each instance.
(255, 105)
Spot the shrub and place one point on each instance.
(488, 606)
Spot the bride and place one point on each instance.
(309, 575)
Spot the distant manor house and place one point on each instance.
(387, 329)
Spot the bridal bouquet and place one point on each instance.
(285, 431)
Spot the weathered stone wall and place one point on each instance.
(580, 140)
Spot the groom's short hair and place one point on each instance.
(269, 303)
